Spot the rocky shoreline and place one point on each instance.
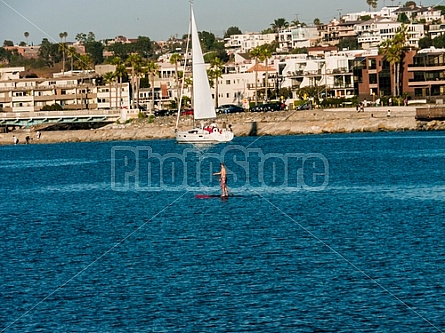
(254, 124)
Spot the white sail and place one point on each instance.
(202, 100)
(202, 96)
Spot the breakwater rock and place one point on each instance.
(256, 124)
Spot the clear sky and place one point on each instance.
(159, 19)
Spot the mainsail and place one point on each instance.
(202, 96)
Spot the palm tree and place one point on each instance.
(256, 54)
(265, 54)
(317, 21)
(133, 60)
(109, 78)
(72, 53)
(391, 54)
(295, 22)
(372, 3)
(175, 59)
(152, 69)
(393, 51)
(140, 70)
(65, 34)
(84, 62)
(26, 34)
(279, 24)
(119, 73)
(216, 67)
(62, 47)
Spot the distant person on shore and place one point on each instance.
(27, 139)
(223, 180)
(15, 139)
(38, 135)
(388, 114)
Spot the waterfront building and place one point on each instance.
(297, 37)
(426, 74)
(373, 32)
(75, 92)
(247, 42)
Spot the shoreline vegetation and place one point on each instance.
(307, 122)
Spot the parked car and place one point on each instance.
(142, 108)
(274, 106)
(229, 108)
(257, 108)
(267, 107)
(305, 106)
(162, 113)
(186, 112)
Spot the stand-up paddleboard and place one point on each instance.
(208, 196)
(231, 195)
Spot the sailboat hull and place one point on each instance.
(199, 135)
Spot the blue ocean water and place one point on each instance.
(324, 233)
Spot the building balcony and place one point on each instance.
(340, 71)
(67, 97)
(6, 99)
(44, 98)
(24, 99)
(426, 68)
(312, 72)
(426, 83)
(343, 86)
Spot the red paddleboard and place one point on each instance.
(208, 196)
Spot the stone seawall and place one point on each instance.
(269, 123)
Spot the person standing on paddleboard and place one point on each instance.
(223, 180)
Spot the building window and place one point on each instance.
(372, 78)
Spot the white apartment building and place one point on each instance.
(373, 32)
(10, 73)
(297, 37)
(332, 71)
(385, 12)
(72, 93)
(436, 30)
(428, 14)
(249, 41)
(237, 88)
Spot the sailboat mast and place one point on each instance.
(184, 68)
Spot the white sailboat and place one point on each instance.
(202, 99)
